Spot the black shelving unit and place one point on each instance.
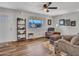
(21, 29)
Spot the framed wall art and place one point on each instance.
(62, 22)
(67, 22)
(49, 21)
(73, 23)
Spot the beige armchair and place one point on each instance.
(67, 47)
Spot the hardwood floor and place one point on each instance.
(25, 48)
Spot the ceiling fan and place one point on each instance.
(46, 6)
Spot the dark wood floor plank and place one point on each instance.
(25, 48)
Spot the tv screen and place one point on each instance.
(35, 23)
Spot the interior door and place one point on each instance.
(3, 28)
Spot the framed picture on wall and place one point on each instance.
(73, 23)
(62, 22)
(67, 22)
(49, 21)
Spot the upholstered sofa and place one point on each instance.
(65, 45)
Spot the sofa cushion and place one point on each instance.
(75, 40)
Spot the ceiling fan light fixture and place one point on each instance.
(46, 10)
(46, 7)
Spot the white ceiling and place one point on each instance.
(63, 7)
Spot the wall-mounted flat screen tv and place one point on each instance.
(35, 23)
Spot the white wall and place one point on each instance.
(67, 30)
(8, 31)
(38, 32)
(8, 25)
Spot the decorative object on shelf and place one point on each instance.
(49, 21)
(62, 22)
(73, 23)
(67, 22)
(21, 29)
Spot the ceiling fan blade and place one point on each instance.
(49, 3)
(47, 10)
(52, 7)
